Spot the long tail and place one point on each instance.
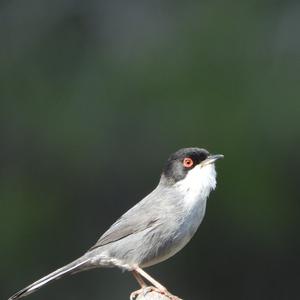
(73, 267)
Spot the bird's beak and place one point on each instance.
(211, 159)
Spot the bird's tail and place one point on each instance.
(73, 267)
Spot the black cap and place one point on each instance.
(181, 162)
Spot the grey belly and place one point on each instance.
(175, 242)
(153, 245)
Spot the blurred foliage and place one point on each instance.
(93, 98)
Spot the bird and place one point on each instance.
(154, 229)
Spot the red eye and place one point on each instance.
(188, 162)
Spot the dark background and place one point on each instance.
(95, 96)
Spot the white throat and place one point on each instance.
(197, 184)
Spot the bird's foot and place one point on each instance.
(143, 290)
(148, 289)
(166, 293)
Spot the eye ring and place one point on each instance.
(188, 162)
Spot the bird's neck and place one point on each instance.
(196, 186)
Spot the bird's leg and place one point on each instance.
(139, 279)
(139, 274)
(151, 279)
(157, 286)
(142, 283)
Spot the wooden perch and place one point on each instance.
(153, 295)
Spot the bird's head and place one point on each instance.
(191, 168)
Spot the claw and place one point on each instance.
(148, 289)
(169, 295)
(143, 291)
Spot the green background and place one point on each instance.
(95, 96)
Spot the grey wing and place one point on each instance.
(140, 217)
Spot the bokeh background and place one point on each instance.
(95, 96)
